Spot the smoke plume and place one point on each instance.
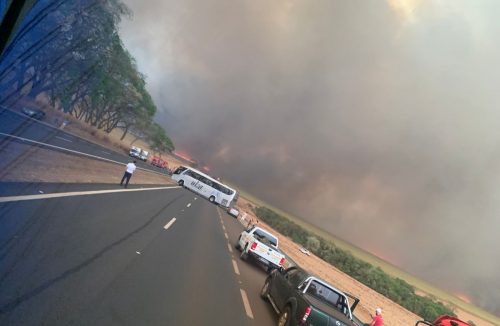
(376, 121)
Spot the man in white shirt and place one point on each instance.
(128, 173)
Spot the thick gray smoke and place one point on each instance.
(377, 121)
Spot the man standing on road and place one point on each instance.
(377, 319)
(128, 173)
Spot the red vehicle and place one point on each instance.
(157, 161)
(444, 321)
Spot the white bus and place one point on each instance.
(206, 186)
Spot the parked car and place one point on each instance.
(302, 299)
(444, 321)
(233, 211)
(33, 113)
(304, 251)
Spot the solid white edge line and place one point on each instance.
(75, 193)
(169, 224)
(235, 267)
(246, 304)
(76, 152)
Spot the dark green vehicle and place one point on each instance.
(302, 299)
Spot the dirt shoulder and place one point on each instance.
(26, 163)
(394, 314)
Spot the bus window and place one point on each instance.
(180, 169)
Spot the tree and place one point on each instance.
(71, 52)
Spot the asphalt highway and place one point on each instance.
(134, 257)
(16, 124)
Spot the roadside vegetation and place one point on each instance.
(70, 54)
(393, 288)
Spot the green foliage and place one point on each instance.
(73, 54)
(393, 288)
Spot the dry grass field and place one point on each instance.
(371, 299)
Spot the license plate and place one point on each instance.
(263, 260)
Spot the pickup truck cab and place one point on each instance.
(135, 152)
(302, 299)
(261, 245)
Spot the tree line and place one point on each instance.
(70, 52)
(393, 288)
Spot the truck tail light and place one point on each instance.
(282, 260)
(306, 314)
(253, 246)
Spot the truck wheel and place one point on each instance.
(265, 290)
(284, 319)
(237, 245)
(244, 254)
(181, 183)
(212, 199)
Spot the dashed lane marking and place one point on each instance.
(169, 224)
(188, 205)
(225, 234)
(61, 138)
(229, 248)
(246, 304)
(75, 193)
(235, 267)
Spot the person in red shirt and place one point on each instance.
(377, 319)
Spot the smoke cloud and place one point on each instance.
(376, 121)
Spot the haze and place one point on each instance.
(375, 120)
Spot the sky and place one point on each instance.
(374, 120)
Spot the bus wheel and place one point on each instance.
(212, 199)
(181, 183)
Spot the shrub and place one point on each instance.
(393, 288)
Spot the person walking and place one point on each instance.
(128, 173)
(377, 319)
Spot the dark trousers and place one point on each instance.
(126, 177)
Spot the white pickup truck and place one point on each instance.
(257, 243)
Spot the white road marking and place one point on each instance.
(188, 205)
(246, 304)
(61, 138)
(230, 248)
(75, 193)
(235, 267)
(73, 151)
(169, 224)
(225, 234)
(106, 152)
(195, 198)
(138, 252)
(223, 227)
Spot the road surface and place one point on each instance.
(126, 257)
(16, 124)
